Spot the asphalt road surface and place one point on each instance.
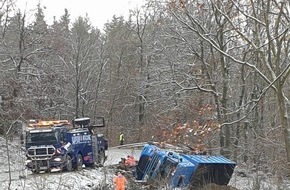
(116, 153)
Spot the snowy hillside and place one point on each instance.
(98, 178)
(85, 179)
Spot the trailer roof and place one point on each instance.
(206, 159)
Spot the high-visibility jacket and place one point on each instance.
(121, 137)
(120, 182)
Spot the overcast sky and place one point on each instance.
(99, 11)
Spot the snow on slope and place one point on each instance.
(93, 179)
(85, 179)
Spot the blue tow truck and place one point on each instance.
(58, 145)
(157, 166)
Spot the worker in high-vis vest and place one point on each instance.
(120, 182)
(121, 138)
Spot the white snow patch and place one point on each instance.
(92, 179)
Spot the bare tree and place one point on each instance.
(244, 27)
(84, 64)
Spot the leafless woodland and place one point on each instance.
(212, 75)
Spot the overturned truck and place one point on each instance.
(157, 166)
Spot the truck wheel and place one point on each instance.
(101, 158)
(36, 171)
(48, 170)
(79, 165)
(90, 165)
(68, 163)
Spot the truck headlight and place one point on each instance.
(57, 159)
(27, 162)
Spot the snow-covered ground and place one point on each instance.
(98, 178)
(88, 178)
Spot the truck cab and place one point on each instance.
(157, 166)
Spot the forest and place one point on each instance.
(212, 75)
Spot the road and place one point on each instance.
(116, 153)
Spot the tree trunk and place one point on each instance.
(284, 122)
(8, 161)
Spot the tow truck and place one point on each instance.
(59, 145)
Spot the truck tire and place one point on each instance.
(79, 164)
(36, 171)
(68, 163)
(101, 158)
(90, 165)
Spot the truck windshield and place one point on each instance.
(41, 138)
(167, 168)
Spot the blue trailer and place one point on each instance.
(59, 145)
(157, 166)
